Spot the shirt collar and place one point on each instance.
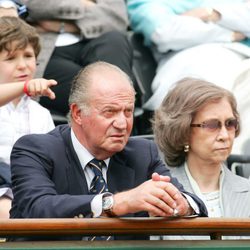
(83, 154)
(194, 183)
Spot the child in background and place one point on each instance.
(19, 48)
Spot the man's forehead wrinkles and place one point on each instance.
(114, 105)
(114, 102)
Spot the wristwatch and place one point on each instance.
(107, 204)
(6, 4)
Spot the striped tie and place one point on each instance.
(98, 186)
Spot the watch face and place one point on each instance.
(107, 203)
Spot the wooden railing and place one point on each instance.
(215, 227)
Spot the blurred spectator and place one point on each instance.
(207, 39)
(19, 47)
(74, 34)
(13, 8)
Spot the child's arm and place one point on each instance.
(34, 87)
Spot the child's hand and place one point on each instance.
(40, 87)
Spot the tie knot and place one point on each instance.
(96, 166)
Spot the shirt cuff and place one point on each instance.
(96, 205)
(6, 192)
(192, 203)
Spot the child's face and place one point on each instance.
(18, 65)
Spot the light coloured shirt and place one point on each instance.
(15, 121)
(66, 39)
(27, 117)
(213, 203)
(6, 192)
(85, 157)
(212, 200)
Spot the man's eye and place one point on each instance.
(109, 112)
(129, 112)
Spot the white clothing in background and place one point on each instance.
(27, 117)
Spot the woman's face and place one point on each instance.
(210, 143)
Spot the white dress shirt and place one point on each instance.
(15, 121)
(25, 118)
(85, 157)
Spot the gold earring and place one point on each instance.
(186, 148)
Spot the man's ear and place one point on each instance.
(76, 113)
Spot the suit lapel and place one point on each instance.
(120, 176)
(76, 178)
(181, 175)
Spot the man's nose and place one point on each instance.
(120, 121)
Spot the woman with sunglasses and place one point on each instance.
(195, 128)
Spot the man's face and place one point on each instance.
(106, 127)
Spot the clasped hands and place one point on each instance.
(158, 197)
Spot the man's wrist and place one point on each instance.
(193, 208)
(108, 204)
(190, 211)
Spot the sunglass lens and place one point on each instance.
(231, 124)
(212, 125)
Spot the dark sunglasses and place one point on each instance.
(231, 124)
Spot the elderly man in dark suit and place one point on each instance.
(53, 174)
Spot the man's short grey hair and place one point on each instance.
(79, 93)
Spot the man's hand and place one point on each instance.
(8, 12)
(55, 26)
(157, 177)
(205, 14)
(181, 204)
(88, 3)
(237, 36)
(157, 196)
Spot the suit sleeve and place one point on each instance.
(104, 16)
(40, 184)
(56, 9)
(235, 17)
(92, 20)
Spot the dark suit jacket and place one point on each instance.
(48, 180)
(5, 178)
